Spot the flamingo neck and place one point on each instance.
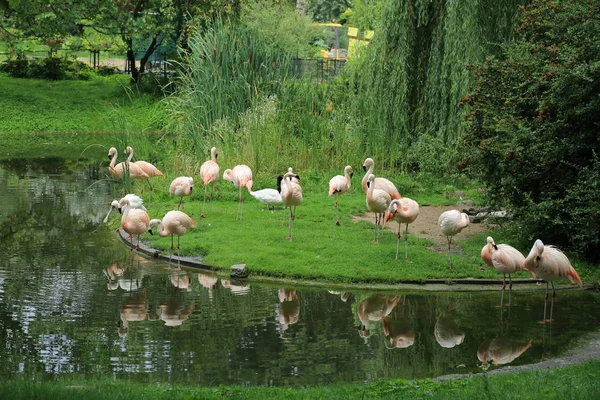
(130, 156)
(113, 161)
(366, 177)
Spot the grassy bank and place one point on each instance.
(572, 382)
(98, 106)
(73, 119)
(320, 250)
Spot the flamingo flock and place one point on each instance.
(382, 198)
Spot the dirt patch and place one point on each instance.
(426, 226)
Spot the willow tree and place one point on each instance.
(410, 80)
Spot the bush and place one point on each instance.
(534, 121)
(51, 68)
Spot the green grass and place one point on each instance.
(572, 382)
(320, 250)
(98, 106)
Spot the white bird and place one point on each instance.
(134, 221)
(378, 201)
(173, 223)
(404, 211)
(451, 222)
(269, 197)
(239, 176)
(291, 195)
(338, 185)
(134, 202)
(209, 171)
(182, 186)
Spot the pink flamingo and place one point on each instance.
(506, 259)
(404, 211)
(173, 223)
(550, 264)
(241, 177)
(378, 201)
(291, 195)
(134, 221)
(338, 185)
(182, 186)
(209, 171)
(148, 168)
(120, 170)
(451, 222)
(380, 183)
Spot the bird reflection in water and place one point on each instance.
(374, 309)
(500, 351)
(175, 312)
(344, 296)
(398, 331)
(235, 289)
(180, 279)
(135, 308)
(127, 278)
(447, 333)
(209, 282)
(289, 308)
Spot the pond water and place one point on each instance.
(74, 302)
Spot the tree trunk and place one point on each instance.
(135, 74)
(301, 7)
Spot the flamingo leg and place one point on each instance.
(337, 218)
(449, 238)
(502, 291)
(203, 203)
(376, 226)
(405, 243)
(509, 289)
(171, 242)
(398, 241)
(551, 304)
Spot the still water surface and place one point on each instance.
(73, 302)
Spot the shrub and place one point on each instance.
(534, 121)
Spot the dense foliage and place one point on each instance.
(53, 68)
(534, 125)
(143, 26)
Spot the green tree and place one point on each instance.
(533, 135)
(143, 25)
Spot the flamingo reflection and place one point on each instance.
(180, 279)
(375, 308)
(135, 308)
(500, 351)
(399, 333)
(289, 308)
(344, 296)
(128, 279)
(175, 312)
(209, 282)
(447, 333)
(235, 289)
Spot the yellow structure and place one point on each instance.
(354, 41)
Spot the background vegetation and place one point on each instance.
(533, 138)
(444, 89)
